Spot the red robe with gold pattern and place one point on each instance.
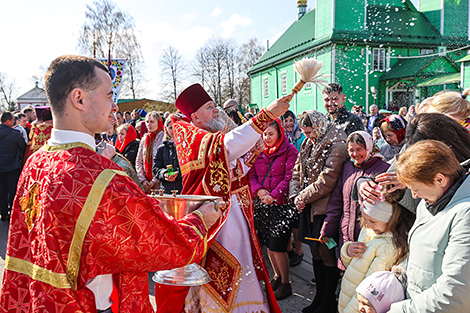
(205, 168)
(38, 136)
(76, 215)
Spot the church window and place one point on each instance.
(378, 59)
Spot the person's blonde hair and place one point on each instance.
(423, 160)
(422, 107)
(400, 112)
(452, 104)
(123, 126)
(154, 115)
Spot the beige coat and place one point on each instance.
(323, 162)
(380, 255)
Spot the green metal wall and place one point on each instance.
(466, 75)
(324, 13)
(432, 10)
(456, 18)
(349, 15)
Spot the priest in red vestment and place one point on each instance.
(83, 235)
(214, 163)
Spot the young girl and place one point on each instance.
(382, 243)
(343, 213)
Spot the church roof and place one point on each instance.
(421, 67)
(386, 24)
(297, 38)
(36, 93)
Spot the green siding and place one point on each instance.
(432, 10)
(349, 15)
(466, 75)
(323, 25)
(456, 18)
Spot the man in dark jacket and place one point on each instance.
(373, 118)
(333, 98)
(166, 155)
(12, 148)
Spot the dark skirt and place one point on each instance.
(274, 224)
(310, 229)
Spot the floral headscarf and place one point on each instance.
(372, 150)
(319, 121)
(398, 125)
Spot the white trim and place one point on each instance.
(295, 96)
(462, 69)
(283, 82)
(276, 83)
(316, 22)
(367, 78)
(333, 13)
(387, 58)
(316, 88)
(442, 17)
(333, 62)
(265, 94)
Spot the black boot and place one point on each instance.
(319, 271)
(329, 304)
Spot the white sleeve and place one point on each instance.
(240, 140)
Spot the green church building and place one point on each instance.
(382, 52)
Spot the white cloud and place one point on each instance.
(233, 22)
(189, 17)
(217, 11)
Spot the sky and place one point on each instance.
(33, 33)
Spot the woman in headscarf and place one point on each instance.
(314, 178)
(126, 142)
(293, 132)
(393, 131)
(269, 179)
(147, 150)
(342, 212)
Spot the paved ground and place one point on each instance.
(300, 277)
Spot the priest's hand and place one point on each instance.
(209, 213)
(280, 106)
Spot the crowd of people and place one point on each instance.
(380, 200)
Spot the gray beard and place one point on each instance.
(216, 125)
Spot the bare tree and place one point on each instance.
(173, 69)
(215, 57)
(106, 23)
(7, 93)
(248, 54)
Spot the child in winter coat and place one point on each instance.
(382, 243)
(377, 292)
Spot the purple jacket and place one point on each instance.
(342, 212)
(277, 181)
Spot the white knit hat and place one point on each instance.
(381, 210)
(381, 289)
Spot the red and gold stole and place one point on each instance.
(38, 136)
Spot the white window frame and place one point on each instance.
(283, 82)
(266, 87)
(426, 51)
(378, 59)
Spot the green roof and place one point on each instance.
(441, 80)
(298, 37)
(466, 58)
(129, 100)
(420, 66)
(390, 25)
